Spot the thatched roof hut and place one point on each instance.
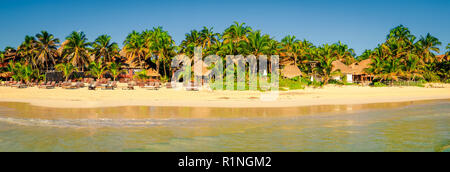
(290, 71)
(338, 65)
(358, 68)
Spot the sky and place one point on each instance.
(359, 24)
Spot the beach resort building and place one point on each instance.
(354, 73)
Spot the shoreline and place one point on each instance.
(329, 95)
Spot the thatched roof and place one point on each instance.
(356, 68)
(5, 75)
(290, 71)
(359, 67)
(338, 65)
(204, 68)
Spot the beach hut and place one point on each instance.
(290, 71)
(344, 69)
(359, 73)
(355, 73)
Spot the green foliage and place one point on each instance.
(141, 75)
(114, 70)
(67, 69)
(379, 84)
(22, 72)
(97, 69)
(292, 84)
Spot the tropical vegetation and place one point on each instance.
(402, 56)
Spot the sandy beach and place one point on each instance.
(329, 95)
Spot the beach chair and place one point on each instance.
(108, 86)
(130, 86)
(42, 84)
(92, 86)
(51, 86)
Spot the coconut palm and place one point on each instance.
(192, 39)
(114, 70)
(27, 50)
(343, 53)
(97, 69)
(324, 57)
(257, 44)
(427, 45)
(76, 51)
(66, 68)
(104, 48)
(413, 69)
(236, 33)
(135, 48)
(47, 49)
(208, 37)
(401, 34)
(290, 47)
(391, 71)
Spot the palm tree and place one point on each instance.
(135, 48)
(47, 48)
(208, 37)
(342, 52)
(391, 71)
(401, 34)
(104, 49)
(114, 70)
(412, 67)
(236, 33)
(192, 39)
(163, 46)
(97, 69)
(290, 47)
(67, 69)
(427, 45)
(27, 50)
(325, 58)
(257, 44)
(76, 51)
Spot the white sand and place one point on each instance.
(84, 98)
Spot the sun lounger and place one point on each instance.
(130, 86)
(51, 86)
(93, 86)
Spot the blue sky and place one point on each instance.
(360, 24)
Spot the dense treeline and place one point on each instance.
(402, 56)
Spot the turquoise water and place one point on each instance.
(408, 126)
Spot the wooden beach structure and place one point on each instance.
(355, 73)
